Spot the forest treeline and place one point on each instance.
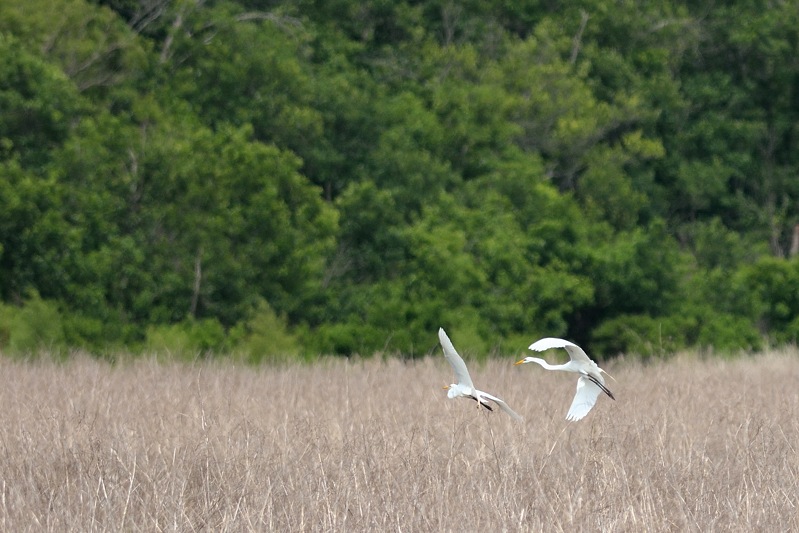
(280, 179)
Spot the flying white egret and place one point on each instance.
(590, 383)
(465, 388)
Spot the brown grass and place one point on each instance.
(372, 446)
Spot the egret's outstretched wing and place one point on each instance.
(454, 360)
(502, 405)
(575, 352)
(584, 399)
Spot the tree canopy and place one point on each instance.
(282, 179)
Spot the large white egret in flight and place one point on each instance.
(465, 388)
(590, 383)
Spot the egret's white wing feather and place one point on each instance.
(502, 405)
(584, 399)
(575, 352)
(454, 359)
(549, 342)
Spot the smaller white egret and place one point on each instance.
(590, 383)
(465, 388)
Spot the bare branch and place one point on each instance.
(577, 40)
(166, 49)
(198, 274)
(282, 21)
(149, 12)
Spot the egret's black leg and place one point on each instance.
(601, 386)
(479, 403)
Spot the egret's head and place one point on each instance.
(452, 390)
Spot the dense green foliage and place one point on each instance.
(288, 178)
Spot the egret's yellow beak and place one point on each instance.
(519, 362)
(445, 387)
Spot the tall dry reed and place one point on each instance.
(690, 445)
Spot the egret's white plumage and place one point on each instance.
(590, 383)
(464, 387)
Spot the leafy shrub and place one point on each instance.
(641, 335)
(34, 326)
(773, 285)
(265, 337)
(660, 336)
(725, 332)
(187, 339)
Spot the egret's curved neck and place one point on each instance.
(547, 365)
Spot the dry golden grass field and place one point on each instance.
(689, 445)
